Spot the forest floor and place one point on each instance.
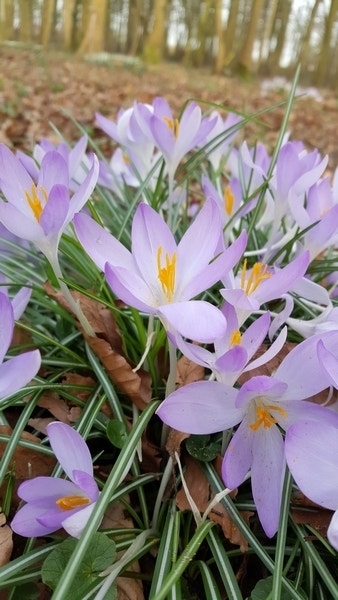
(40, 91)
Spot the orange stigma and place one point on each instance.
(167, 273)
(265, 418)
(172, 124)
(34, 200)
(229, 200)
(70, 502)
(259, 273)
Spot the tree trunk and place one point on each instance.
(134, 22)
(6, 20)
(48, 9)
(219, 36)
(25, 20)
(203, 30)
(245, 61)
(279, 33)
(94, 37)
(324, 57)
(304, 46)
(154, 45)
(230, 32)
(270, 16)
(69, 11)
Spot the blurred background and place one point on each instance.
(232, 37)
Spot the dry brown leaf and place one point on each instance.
(107, 345)
(319, 519)
(174, 441)
(188, 371)
(200, 492)
(28, 462)
(6, 541)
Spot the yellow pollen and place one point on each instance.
(229, 200)
(259, 272)
(265, 418)
(70, 502)
(34, 200)
(126, 159)
(167, 273)
(173, 125)
(235, 338)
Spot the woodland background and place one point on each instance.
(244, 37)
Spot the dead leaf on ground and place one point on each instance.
(28, 462)
(6, 541)
(200, 491)
(174, 441)
(188, 371)
(107, 346)
(306, 512)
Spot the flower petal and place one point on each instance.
(194, 319)
(87, 483)
(16, 372)
(311, 450)
(25, 522)
(201, 407)
(332, 532)
(267, 476)
(55, 211)
(69, 448)
(46, 489)
(20, 224)
(75, 523)
(6, 324)
(238, 456)
(131, 288)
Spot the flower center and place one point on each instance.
(229, 200)
(235, 338)
(34, 200)
(264, 416)
(70, 502)
(172, 124)
(257, 275)
(166, 273)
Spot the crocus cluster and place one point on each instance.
(220, 287)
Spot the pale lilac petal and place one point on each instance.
(46, 490)
(301, 410)
(329, 363)
(275, 347)
(55, 211)
(22, 225)
(233, 360)
(283, 280)
(164, 137)
(267, 476)
(332, 532)
(213, 272)
(201, 407)
(54, 171)
(6, 324)
(20, 301)
(69, 448)
(16, 372)
(54, 516)
(198, 244)
(75, 524)
(84, 191)
(131, 288)
(99, 244)
(25, 522)
(195, 319)
(14, 179)
(302, 370)
(240, 300)
(149, 233)
(311, 450)
(238, 456)
(87, 483)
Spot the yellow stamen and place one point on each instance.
(235, 338)
(265, 418)
(259, 272)
(173, 125)
(126, 159)
(70, 502)
(229, 200)
(34, 200)
(167, 273)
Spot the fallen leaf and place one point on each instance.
(6, 541)
(107, 345)
(174, 441)
(188, 371)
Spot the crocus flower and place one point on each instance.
(52, 502)
(39, 212)
(160, 276)
(311, 451)
(16, 372)
(260, 408)
(253, 287)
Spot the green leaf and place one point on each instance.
(263, 588)
(27, 591)
(116, 432)
(200, 447)
(100, 555)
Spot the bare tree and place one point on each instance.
(154, 45)
(245, 61)
(324, 62)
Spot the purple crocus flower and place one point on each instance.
(16, 372)
(39, 212)
(253, 287)
(19, 301)
(311, 450)
(160, 276)
(52, 502)
(259, 408)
